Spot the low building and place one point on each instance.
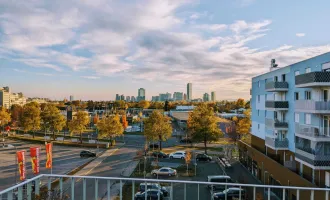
(7, 99)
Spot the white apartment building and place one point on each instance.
(8, 99)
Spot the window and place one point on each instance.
(258, 98)
(296, 96)
(275, 115)
(283, 77)
(308, 70)
(308, 119)
(327, 179)
(296, 73)
(296, 117)
(266, 97)
(258, 83)
(265, 113)
(258, 113)
(308, 95)
(275, 78)
(258, 126)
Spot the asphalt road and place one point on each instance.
(64, 160)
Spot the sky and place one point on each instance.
(94, 49)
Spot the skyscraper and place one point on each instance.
(141, 94)
(133, 99)
(206, 97)
(177, 96)
(185, 96)
(213, 97)
(128, 98)
(189, 91)
(122, 97)
(117, 97)
(71, 98)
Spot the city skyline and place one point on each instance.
(56, 51)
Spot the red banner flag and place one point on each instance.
(49, 161)
(35, 153)
(21, 164)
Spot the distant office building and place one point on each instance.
(71, 98)
(128, 98)
(38, 100)
(178, 96)
(155, 98)
(8, 99)
(117, 97)
(133, 99)
(206, 97)
(185, 96)
(189, 91)
(213, 97)
(122, 97)
(162, 97)
(141, 94)
(168, 96)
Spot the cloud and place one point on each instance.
(212, 27)
(19, 70)
(90, 77)
(300, 34)
(246, 2)
(195, 16)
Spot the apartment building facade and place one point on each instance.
(291, 125)
(7, 99)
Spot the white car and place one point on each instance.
(178, 154)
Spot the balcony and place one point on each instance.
(312, 133)
(277, 105)
(311, 106)
(315, 160)
(276, 125)
(277, 144)
(313, 79)
(275, 86)
(178, 189)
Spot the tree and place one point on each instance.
(96, 119)
(109, 127)
(166, 106)
(187, 159)
(4, 117)
(144, 104)
(202, 125)
(53, 119)
(124, 121)
(16, 112)
(157, 126)
(31, 117)
(79, 123)
(240, 103)
(244, 124)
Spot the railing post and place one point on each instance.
(72, 188)
(121, 190)
(133, 188)
(298, 193)
(49, 186)
(225, 193)
(254, 193)
(268, 193)
(171, 191)
(185, 191)
(312, 194)
(158, 191)
(37, 187)
(84, 188)
(29, 190)
(240, 193)
(108, 189)
(283, 194)
(96, 189)
(145, 190)
(10, 195)
(61, 187)
(20, 193)
(327, 195)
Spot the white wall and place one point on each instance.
(260, 105)
(259, 133)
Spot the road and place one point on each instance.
(64, 160)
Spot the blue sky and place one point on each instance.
(93, 49)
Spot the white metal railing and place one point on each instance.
(312, 106)
(312, 131)
(9, 193)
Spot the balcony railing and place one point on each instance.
(275, 143)
(275, 86)
(18, 191)
(312, 132)
(311, 106)
(313, 79)
(310, 156)
(277, 105)
(275, 124)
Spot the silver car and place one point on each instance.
(164, 171)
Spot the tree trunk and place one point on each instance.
(33, 134)
(53, 135)
(205, 144)
(81, 138)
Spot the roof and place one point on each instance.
(182, 116)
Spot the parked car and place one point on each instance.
(218, 179)
(87, 154)
(160, 154)
(153, 186)
(152, 194)
(178, 154)
(203, 157)
(232, 193)
(164, 171)
(185, 140)
(154, 145)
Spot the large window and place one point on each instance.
(283, 77)
(308, 119)
(296, 117)
(258, 98)
(258, 112)
(296, 96)
(308, 95)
